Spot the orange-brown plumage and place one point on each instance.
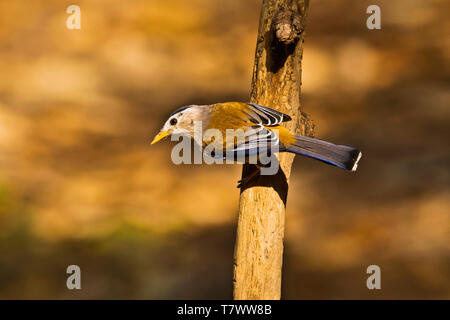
(235, 115)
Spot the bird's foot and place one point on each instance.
(248, 178)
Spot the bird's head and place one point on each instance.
(180, 121)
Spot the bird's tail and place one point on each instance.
(341, 156)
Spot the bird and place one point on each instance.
(263, 130)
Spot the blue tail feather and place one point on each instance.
(340, 156)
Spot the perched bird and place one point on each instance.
(263, 132)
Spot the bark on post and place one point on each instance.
(276, 83)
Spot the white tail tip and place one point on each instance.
(356, 162)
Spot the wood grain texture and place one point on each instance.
(276, 83)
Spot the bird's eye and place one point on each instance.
(173, 121)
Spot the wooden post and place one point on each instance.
(276, 83)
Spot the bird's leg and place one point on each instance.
(249, 177)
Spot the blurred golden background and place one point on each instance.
(79, 183)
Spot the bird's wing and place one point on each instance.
(254, 121)
(258, 140)
(266, 116)
(255, 141)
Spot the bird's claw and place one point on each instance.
(248, 178)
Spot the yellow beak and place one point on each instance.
(161, 135)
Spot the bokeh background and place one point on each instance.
(80, 184)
